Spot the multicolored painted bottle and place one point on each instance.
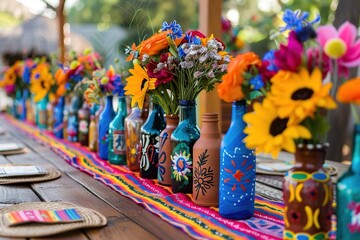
(59, 117)
(84, 122)
(133, 124)
(117, 144)
(348, 195)
(149, 138)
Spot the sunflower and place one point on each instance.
(41, 82)
(270, 133)
(300, 93)
(138, 84)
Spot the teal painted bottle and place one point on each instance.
(41, 112)
(182, 141)
(117, 144)
(348, 195)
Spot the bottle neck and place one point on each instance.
(237, 112)
(155, 108)
(122, 105)
(309, 159)
(210, 125)
(187, 111)
(355, 165)
(109, 101)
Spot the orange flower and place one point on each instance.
(60, 76)
(132, 52)
(231, 87)
(154, 44)
(349, 92)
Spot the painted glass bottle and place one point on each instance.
(59, 117)
(133, 124)
(41, 112)
(84, 122)
(73, 120)
(106, 116)
(348, 195)
(182, 141)
(117, 145)
(237, 169)
(50, 116)
(149, 137)
(93, 128)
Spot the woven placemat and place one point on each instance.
(50, 175)
(91, 219)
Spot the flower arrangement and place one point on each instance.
(293, 110)
(42, 81)
(172, 66)
(81, 68)
(101, 84)
(12, 80)
(230, 36)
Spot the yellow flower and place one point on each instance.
(269, 133)
(299, 94)
(138, 84)
(41, 81)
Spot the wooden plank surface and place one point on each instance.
(126, 220)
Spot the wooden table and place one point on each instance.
(126, 220)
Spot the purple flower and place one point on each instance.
(289, 57)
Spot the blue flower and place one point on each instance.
(119, 86)
(298, 22)
(174, 27)
(26, 74)
(181, 52)
(270, 57)
(257, 82)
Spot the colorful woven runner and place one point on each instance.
(177, 209)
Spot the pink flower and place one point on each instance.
(314, 60)
(340, 45)
(289, 57)
(9, 89)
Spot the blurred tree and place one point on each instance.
(140, 17)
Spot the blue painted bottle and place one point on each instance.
(149, 138)
(237, 169)
(348, 195)
(24, 97)
(117, 144)
(73, 120)
(182, 141)
(106, 116)
(17, 104)
(58, 118)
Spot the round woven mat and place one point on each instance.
(50, 175)
(91, 219)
